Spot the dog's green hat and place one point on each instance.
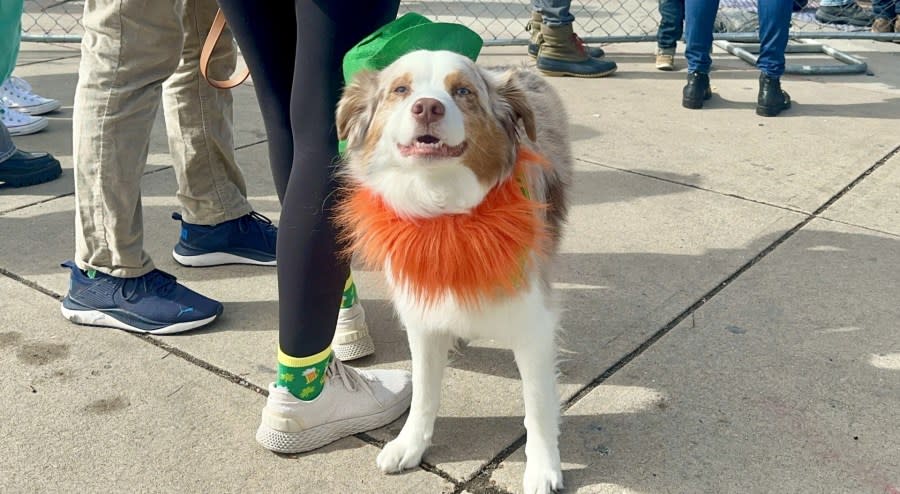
(407, 33)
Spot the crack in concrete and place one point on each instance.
(481, 483)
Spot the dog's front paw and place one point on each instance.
(400, 454)
(542, 477)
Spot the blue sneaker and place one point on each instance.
(249, 239)
(153, 303)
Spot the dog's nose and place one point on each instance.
(428, 110)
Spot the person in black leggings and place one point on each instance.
(294, 52)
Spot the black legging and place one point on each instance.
(294, 52)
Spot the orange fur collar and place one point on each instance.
(477, 256)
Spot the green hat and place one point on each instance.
(405, 34)
(408, 33)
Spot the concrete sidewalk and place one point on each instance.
(730, 286)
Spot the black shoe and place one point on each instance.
(696, 91)
(851, 14)
(25, 168)
(772, 100)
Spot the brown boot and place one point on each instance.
(534, 44)
(882, 25)
(563, 54)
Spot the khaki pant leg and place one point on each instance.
(211, 187)
(129, 48)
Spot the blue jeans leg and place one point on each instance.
(555, 12)
(671, 23)
(774, 23)
(699, 17)
(886, 9)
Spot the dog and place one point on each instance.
(456, 181)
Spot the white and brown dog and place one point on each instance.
(456, 179)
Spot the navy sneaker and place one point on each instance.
(153, 303)
(249, 239)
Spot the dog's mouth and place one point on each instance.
(429, 146)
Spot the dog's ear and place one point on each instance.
(356, 107)
(513, 97)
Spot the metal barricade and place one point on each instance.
(500, 22)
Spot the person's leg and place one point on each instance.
(124, 61)
(217, 226)
(843, 12)
(10, 30)
(562, 52)
(129, 48)
(315, 281)
(211, 187)
(311, 278)
(774, 23)
(671, 22)
(555, 12)
(699, 16)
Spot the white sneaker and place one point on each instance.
(351, 336)
(20, 124)
(16, 94)
(351, 402)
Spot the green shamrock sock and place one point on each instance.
(304, 377)
(350, 297)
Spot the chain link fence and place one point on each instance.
(503, 22)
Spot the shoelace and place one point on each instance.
(156, 281)
(264, 224)
(352, 380)
(19, 83)
(579, 44)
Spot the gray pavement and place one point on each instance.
(729, 286)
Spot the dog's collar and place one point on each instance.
(473, 257)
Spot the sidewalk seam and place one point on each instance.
(692, 186)
(480, 483)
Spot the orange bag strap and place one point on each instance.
(215, 32)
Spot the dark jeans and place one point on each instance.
(294, 50)
(886, 9)
(671, 23)
(774, 23)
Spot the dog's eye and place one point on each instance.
(462, 91)
(401, 89)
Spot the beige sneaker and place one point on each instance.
(351, 402)
(351, 335)
(882, 25)
(665, 59)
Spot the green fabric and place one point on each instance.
(350, 296)
(304, 382)
(10, 31)
(408, 33)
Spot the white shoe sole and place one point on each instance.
(351, 336)
(316, 437)
(360, 348)
(41, 109)
(217, 259)
(97, 318)
(28, 129)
